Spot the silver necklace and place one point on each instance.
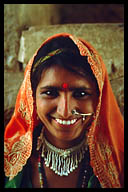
(61, 161)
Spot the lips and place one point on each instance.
(66, 123)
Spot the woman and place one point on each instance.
(67, 129)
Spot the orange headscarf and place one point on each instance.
(105, 137)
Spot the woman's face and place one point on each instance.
(55, 103)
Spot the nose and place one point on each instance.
(65, 105)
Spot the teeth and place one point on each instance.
(68, 122)
(64, 122)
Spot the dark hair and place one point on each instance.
(69, 59)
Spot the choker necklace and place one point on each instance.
(61, 161)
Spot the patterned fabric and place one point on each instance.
(105, 137)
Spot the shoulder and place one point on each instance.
(15, 182)
(21, 180)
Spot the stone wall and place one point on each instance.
(91, 13)
(19, 17)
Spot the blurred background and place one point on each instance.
(27, 25)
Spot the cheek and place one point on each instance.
(89, 105)
(42, 106)
(95, 102)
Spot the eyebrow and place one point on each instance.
(58, 88)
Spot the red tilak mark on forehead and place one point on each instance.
(65, 86)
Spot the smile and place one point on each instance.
(66, 122)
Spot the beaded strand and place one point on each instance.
(84, 177)
(40, 172)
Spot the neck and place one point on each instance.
(63, 143)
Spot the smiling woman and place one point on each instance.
(55, 104)
(65, 123)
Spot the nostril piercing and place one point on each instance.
(84, 118)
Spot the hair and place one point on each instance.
(69, 59)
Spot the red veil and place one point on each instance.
(105, 137)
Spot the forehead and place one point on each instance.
(59, 76)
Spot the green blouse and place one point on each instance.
(23, 180)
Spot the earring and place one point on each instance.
(94, 116)
(40, 140)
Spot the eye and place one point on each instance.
(50, 93)
(81, 94)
